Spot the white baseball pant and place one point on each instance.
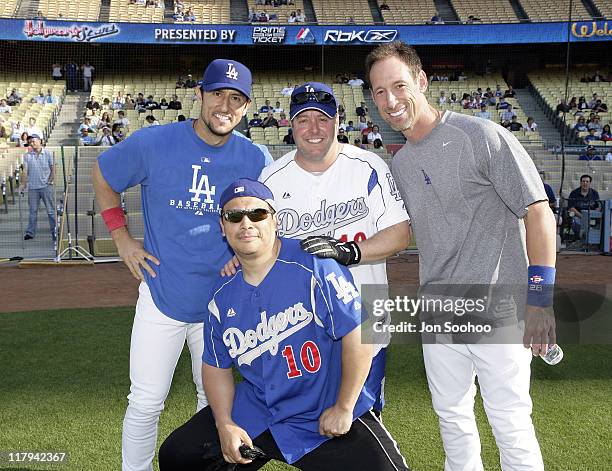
(156, 345)
(503, 376)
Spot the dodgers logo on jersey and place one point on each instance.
(324, 221)
(269, 332)
(202, 200)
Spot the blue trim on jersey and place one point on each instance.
(181, 179)
(373, 181)
(300, 311)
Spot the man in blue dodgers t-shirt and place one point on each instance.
(290, 323)
(182, 168)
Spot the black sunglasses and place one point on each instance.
(320, 97)
(255, 215)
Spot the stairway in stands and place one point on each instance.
(65, 131)
(549, 133)
(27, 9)
(239, 11)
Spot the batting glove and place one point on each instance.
(346, 253)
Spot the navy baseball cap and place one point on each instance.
(226, 73)
(34, 136)
(247, 187)
(313, 96)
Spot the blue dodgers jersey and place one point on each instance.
(181, 180)
(284, 336)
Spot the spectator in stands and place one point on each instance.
(374, 134)
(278, 108)
(4, 107)
(94, 118)
(510, 93)
(39, 99)
(163, 104)
(503, 104)
(573, 104)
(129, 102)
(86, 138)
(151, 121)
(118, 101)
(383, 6)
(442, 98)
(590, 154)
(292, 18)
(356, 82)
(288, 90)
(107, 138)
(530, 125)
(256, 122)
(106, 104)
(563, 107)
(263, 17)
(342, 137)
(86, 124)
(301, 18)
(283, 121)
(265, 107)
(175, 104)
(122, 120)
(87, 70)
(453, 98)
(582, 104)
(151, 104)
(4, 134)
(362, 123)
(341, 112)
(270, 121)
(189, 15)
(56, 71)
(580, 126)
(600, 107)
(378, 144)
(92, 104)
(593, 101)
(591, 136)
(341, 124)
(139, 104)
(350, 126)
(506, 115)
(595, 123)
(32, 129)
(50, 98)
(288, 139)
(180, 83)
(190, 82)
(473, 19)
(104, 120)
(364, 133)
(24, 140)
(351, 21)
(483, 113)
(465, 101)
(357, 143)
(581, 199)
(550, 194)
(437, 19)
(71, 70)
(605, 133)
(498, 91)
(118, 132)
(37, 180)
(514, 125)
(180, 118)
(609, 156)
(17, 130)
(597, 77)
(14, 98)
(362, 109)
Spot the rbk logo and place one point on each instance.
(427, 179)
(201, 187)
(231, 71)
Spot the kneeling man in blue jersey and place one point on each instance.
(290, 323)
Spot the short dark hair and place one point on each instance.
(586, 176)
(398, 49)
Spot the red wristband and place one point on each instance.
(114, 218)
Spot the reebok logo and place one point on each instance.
(286, 195)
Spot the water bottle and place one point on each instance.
(554, 355)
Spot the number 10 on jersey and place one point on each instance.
(310, 359)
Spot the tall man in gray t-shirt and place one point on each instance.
(480, 216)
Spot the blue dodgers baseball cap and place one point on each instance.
(247, 187)
(313, 96)
(226, 73)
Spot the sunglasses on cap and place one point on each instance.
(254, 215)
(319, 97)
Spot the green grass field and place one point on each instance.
(64, 383)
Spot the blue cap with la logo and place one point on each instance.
(226, 73)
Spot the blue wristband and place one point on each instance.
(541, 285)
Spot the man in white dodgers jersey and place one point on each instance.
(343, 195)
(291, 324)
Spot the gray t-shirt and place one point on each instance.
(466, 187)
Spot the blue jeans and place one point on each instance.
(34, 197)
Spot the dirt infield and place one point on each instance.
(111, 284)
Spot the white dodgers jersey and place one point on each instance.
(352, 200)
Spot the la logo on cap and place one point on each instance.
(239, 189)
(231, 71)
